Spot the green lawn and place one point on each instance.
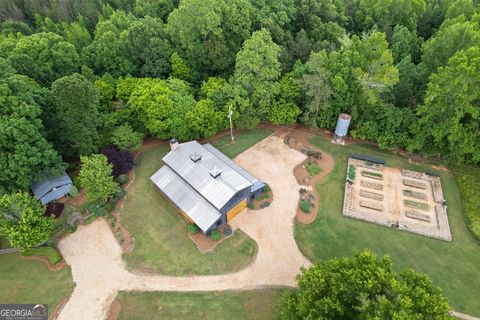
(468, 181)
(232, 305)
(27, 281)
(161, 241)
(244, 140)
(453, 266)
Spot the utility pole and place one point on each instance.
(230, 113)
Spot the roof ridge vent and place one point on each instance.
(195, 157)
(215, 172)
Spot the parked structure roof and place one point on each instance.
(217, 191)
(200, 180)
(186, 198)
(51, 189)
(256, 184)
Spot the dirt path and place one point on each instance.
(99, 272)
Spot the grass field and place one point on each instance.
(27, 281)
(232, 305)
(468, 182)
(244, 140)
(453, 266)
(161, 241)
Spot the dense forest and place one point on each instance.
(79, 75)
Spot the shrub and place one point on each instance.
(119, 194)
(122, 179)
(192, 228)
(50, 253)
(97, 210)
(89, 220)
(251, 206)
(265, 204)
(76, 182)
(122, 161)
(215, 235)
(55, 209)
(314, 154)
(73, 191)
(313, 169)
(228, 231)
(266, 188)
(125, 138)
(51, 242)
(305, 206)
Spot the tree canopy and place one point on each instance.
(22, 220)
(363, 287)
(25, 153)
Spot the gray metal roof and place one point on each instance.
(256, 184)
(186, 198)
(52, 188)
(217, 191)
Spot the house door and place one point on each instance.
(236, 210)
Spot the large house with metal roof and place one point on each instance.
(206, 186)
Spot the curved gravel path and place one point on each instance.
(99, 272)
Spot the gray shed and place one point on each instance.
(52, 189)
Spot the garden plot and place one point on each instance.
(397, 198)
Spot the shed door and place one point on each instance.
(237, 209)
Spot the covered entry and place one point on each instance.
(236, 210)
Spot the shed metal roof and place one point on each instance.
(52, 188)
(217, 191)
(256, 184)
(186, 198)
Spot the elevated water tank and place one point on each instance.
(341, 130)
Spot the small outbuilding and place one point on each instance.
(51, 189)
(207, 187)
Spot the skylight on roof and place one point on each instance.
(195, 157)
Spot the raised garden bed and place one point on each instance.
(414, 194)
(418, 215)
(371, 195)
(371, 205)
(373, 175)
(371, 185)
(415, 184)
(351, 172)
(412, 174)
(416, 205)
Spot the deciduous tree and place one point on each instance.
(44, 57)
(254, 83)
(363, 287)
(22, 220)
(25, 154)
(450, 116)
(96, 177)
(125, 138)
(73, 115)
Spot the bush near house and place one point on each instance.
(192, 228)
(305, 206)
(215, 235)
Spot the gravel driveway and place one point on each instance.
(99, 272)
